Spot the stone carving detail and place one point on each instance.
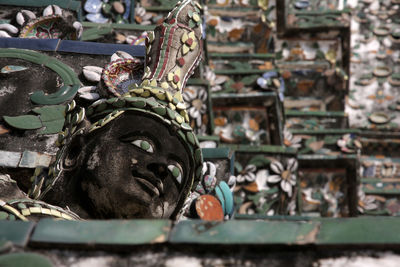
(135, 155)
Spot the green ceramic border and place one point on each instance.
(239, 55)
(97, 30)
(220, 153)
(327, 131)
(69, 77)
(113, 235)
(298, 113)
(262, 149)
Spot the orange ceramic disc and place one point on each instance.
(209, 208)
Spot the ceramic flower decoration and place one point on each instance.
(366, 203)
(285, 176)
(290, 140)
(349, 144)
(247, 175)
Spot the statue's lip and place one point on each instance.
(151, 184)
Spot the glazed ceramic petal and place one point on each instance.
(274, 178)
(277, 167)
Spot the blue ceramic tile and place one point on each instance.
(93, 6)
(97, 18)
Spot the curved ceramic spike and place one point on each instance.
(9, 28)
(52, 10)
(79, 28)
(4, 34)
(25, 16)
(92, 73)
(20, 18)
(86, 89)
(121, 54)
(183, 27)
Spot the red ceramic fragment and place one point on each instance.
(209, 208)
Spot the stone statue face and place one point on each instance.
(134, 167)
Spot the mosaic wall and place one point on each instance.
(276, 77)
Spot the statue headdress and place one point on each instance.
(173, 52)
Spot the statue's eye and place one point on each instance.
(144, 145)
(176, 171)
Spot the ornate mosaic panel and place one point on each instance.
(372, 102)
(266, 184)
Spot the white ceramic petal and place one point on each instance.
(28, 13)
(92, 73)
(9, 28)
(251, 168)
(274, 178)
(52, 10)
(48, 11)
(86, 89)
(208, 144)
(341, 143)
(276, 167)
(203, 109)
(220, 79)
(4, 34)
(292, 164)
(79, 28)
(292, 179)
(212, 170)
(240, 178)
(121, 54)
(250, 177)
(287, 135)
(261, 179)
(216, 88)
(130, 38)
(25, 16)
(202, 95)
(296, 139)
(187, 96)
(20, 18)
(287, 187)
(193, 112)
(90, 96)
(296, 145)
(199, 121)
(57, 10)
(232, 181)
(205, 168)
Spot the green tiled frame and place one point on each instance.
(285, 231)
(260, 98)
(102, 233)
(238, 232)
(220, 153)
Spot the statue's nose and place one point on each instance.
(159, 169)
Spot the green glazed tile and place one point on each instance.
(24, 260)
(110, 232)
(362, 230)
(216, 153)
(24, 122)
(17, 232)
(244, 232)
